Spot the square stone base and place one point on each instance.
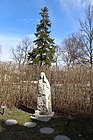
(42, 117)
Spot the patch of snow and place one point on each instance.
(34, 82)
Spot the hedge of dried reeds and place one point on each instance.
(70, 86)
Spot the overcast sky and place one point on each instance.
(18, 18)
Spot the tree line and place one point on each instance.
(76, 49)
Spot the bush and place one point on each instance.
(70, 86)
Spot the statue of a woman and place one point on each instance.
(44, 95)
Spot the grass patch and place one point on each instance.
(77, 130)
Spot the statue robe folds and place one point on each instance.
(44, 105)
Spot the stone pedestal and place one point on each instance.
(39, 117)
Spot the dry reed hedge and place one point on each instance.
(70, 86)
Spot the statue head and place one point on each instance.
(44, 79)
(42, 76)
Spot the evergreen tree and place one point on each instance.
(43, 54)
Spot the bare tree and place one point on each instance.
(87, 33)
(73, 50)
(58, 55)
(20, 54)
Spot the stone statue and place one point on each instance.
(44, 95)
(44, 105)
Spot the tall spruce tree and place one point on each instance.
(43, 54)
